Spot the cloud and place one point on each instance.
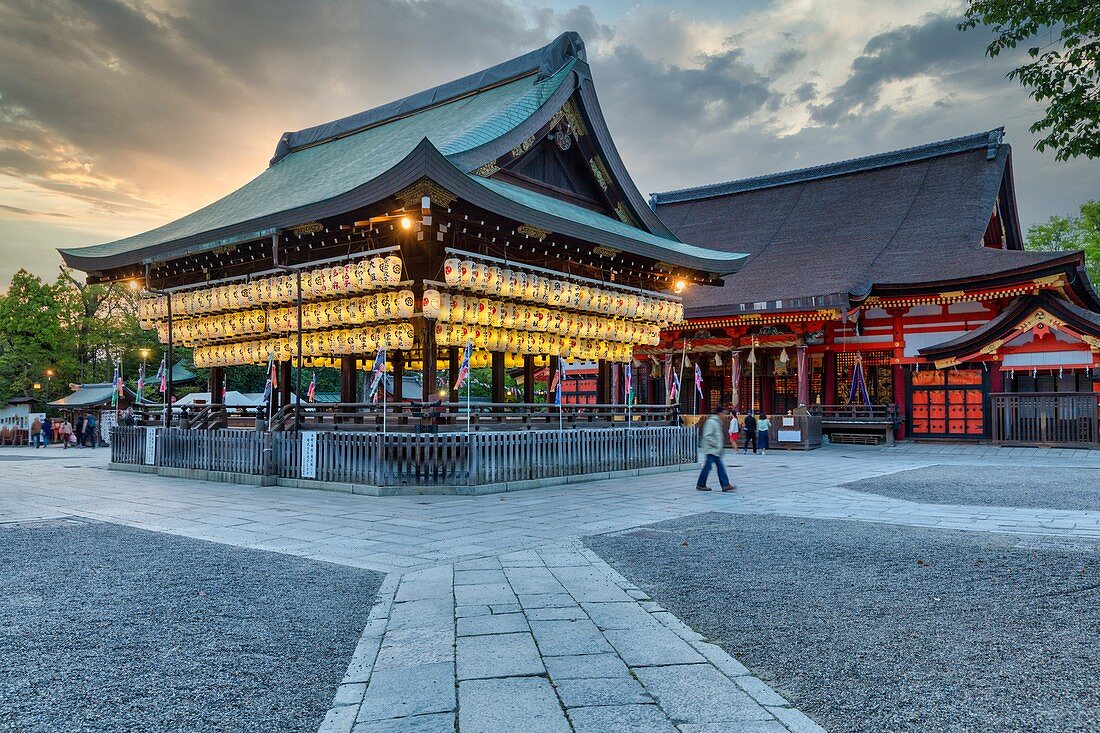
(117, 116)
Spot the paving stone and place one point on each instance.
(500, 623)
(465, 611)
(585, 666)
(339, 720)
(433, 723)
(699, 693)
(601, 691)
(499, 655)
(349, 694)
(518, 704)
(651, 646)
(795, 720)
(556, 613)
(484, 594)
(547, 600)
(760, 691)
(505, 608)
(559, 638)
(533, 580)
(428, 613)
(413, 647)
(481, 576)
(405, 691)
(621, 719)
(480, 563)
(717, 656)
(362, 659)
(744, 726)
(623, 615)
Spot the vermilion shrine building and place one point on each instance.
(909, 262)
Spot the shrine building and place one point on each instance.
(909, 264)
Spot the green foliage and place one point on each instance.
(75, 330)
(1064, 66)
(1071, 232)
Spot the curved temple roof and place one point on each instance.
(362, 158)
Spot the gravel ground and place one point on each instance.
(110, 628)
(870, 628)
(1038, 488)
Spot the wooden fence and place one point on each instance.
(411, 459)
(1048, 419)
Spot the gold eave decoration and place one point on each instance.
(486, 170)
(311, 227)
(410, 197)
(608, 252)
(523, 147)
(533, 232)
(574, 116)
(600, 172)
(624, 214)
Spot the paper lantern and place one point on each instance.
(483, 311)
(395, 269)
(451, 270)
(444, 306)
(406, 304)
(496, 280)
(479, 277)
(429, 304)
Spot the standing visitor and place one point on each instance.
(65, 433)
(763, 425)
(749, 430)
(712, 445)
(47, 431)
(78, 430)
(36, 432)
(735, 430)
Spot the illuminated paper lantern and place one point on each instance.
(445, 307)
(395, 269)
(466, 273)
(496, 280)
(483, 311)
(406, 304)
(496, 314)
(452, 269)
(429, 304)
(480, 277)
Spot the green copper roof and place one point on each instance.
(586, 217)
(320, 172)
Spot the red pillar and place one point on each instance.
(829, 375)
(899, 396)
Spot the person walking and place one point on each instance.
(763, 425)
(47, 432)
(78, 430)
(89, 431)
(748, 428)
(36, 432)
(712, 445)
(65, 433)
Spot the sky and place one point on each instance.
(116, 117)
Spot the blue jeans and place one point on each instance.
(723, 479)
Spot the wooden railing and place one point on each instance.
(452, 416)
(863, 413)
(413, 459)
(1052, 419)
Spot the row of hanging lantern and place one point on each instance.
(347, 312)
(526, 342)
(314, 344)
(495, 314)
(324, 282)
(478, 277)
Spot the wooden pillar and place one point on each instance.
(498, 377)
(348, 374)
(828, 376)
(217, 382)
(398, 360)
(453, 365)
(427, 361)
(899, 395)
(603, 383)
(285, 376)
(528, 378)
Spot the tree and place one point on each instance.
(1061, 233)
(1064, 71)
(32, 336)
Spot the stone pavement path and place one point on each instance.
(543, 641)
(493, 617)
